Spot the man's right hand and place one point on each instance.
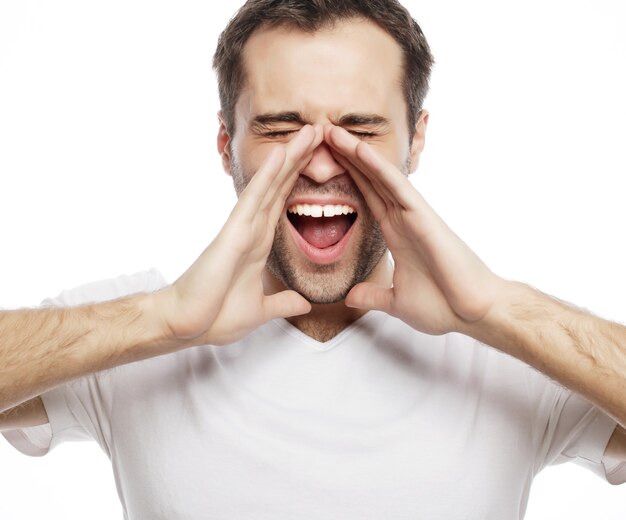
(220, 298)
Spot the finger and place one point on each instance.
(392, 178)
(369, 296)
(343, 141)
(285, 184)
(349, 145)
(285, 304)
(385, 176)
(254, 193)
(278, 204)
(346, 144)
(303, 143)
(262, 188)
(401, 193)
(292, 176)
(373, 199)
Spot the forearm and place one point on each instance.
(42, 348)
(583, 352)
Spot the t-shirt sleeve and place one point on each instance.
(63, 426)
(74, 409)
(577, 431)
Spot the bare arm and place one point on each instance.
(217, 300)
(440, 285)
(43, 348)
(616, 448)
(25, 415)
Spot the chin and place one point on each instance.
(324, 284)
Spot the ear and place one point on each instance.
(419, 139)
(223, 144)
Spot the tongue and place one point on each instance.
(323, 232)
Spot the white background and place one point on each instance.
(108, 166)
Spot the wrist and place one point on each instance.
(514, 302)
(156, 311)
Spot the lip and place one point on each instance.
(328, 255)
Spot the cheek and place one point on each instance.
(250, 154)
(247, 157)
(396, 152)
(240, 174)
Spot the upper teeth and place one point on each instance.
(317, 210)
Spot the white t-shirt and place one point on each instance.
(382, 421)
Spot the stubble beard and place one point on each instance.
(323, 284)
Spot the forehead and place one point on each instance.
(353, 66)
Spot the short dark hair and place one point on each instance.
(313, 15)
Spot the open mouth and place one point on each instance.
(321, 226)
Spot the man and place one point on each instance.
(339, 434)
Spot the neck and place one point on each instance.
(325, 321)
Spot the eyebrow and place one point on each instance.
(363, 119)
(354, 119)
(263, 120)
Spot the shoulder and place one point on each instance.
(109, 289)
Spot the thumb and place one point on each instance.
(369, 296)
(285, 304)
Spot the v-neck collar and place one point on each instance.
(334, 341)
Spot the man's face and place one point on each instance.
(351, 76)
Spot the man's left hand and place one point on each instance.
(439, 283)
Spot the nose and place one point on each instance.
(323, 165)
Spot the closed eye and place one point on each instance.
(362, 135)
(279, 134)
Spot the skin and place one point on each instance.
(436, 285)
(323, 95)
(328, 74)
